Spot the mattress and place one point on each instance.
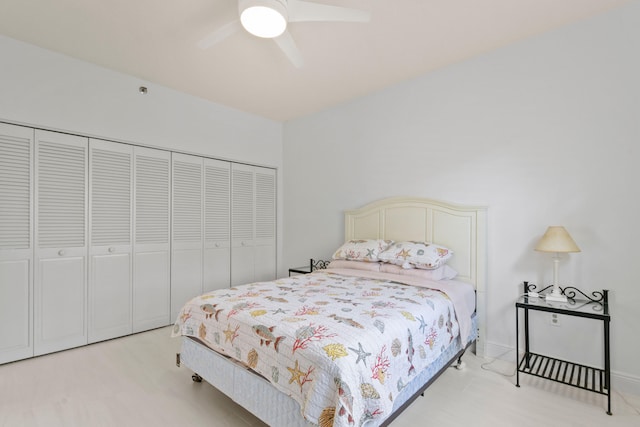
(256, 394)
(344, 347)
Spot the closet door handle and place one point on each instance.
(61, 252)
(112, 250)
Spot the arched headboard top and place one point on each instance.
(458, 227)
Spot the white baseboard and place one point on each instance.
(625, 383)
(620, 381)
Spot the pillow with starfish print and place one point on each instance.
(361, 250)
(416, 255)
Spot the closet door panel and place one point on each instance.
(187, 239)
(152, 259)
(110, 295)
(186, 273)
(265, 229)
(217, 268)
(242, 224)
(16, 242)
(60, 316)
(253, 224)
(242, 265)
(265, 263)
(217, 225)
(110, 253)
(15, 310)
(61, 244)
(151, 290)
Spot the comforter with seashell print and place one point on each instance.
(342, 346)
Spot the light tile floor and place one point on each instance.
(133, 381)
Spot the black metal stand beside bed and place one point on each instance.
(314, 264)
(581, 376)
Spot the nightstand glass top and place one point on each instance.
(572, 306)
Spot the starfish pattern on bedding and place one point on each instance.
(230, 334)
(362, 355)
(404, 254)
(423, 325)
(296, 374)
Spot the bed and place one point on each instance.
(353, 344)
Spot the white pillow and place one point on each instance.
(362, 250)
(356, 265)
(444, 272)
(417, 254)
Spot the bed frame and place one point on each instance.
(460, 228)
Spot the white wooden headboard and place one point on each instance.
(462, 229)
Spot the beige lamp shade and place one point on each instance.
(557, 239)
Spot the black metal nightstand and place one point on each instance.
(314, 264)
(585, 377)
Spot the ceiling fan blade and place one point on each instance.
(219, 35)
(288, 46)
(300, 11)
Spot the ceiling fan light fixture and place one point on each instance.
(263, 18)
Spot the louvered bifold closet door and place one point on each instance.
(16, 243)
(60, 279)
(242, 224)
(187, 239)
(110, 249)
(265, 237)
(217, 225)
(152, 256)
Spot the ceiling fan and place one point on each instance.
(269, 19)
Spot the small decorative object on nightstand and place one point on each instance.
(314, 264)
(587, 378)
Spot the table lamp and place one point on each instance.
(557, 240)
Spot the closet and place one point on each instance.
(101, 239)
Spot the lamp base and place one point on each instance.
(555, 297)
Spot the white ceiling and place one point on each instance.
(155, 40)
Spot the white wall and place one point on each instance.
(44, 89)
(544, 132)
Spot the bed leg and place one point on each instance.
(178, 360)
(196, 378)
(460, 365)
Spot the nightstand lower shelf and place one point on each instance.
(562, 371)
